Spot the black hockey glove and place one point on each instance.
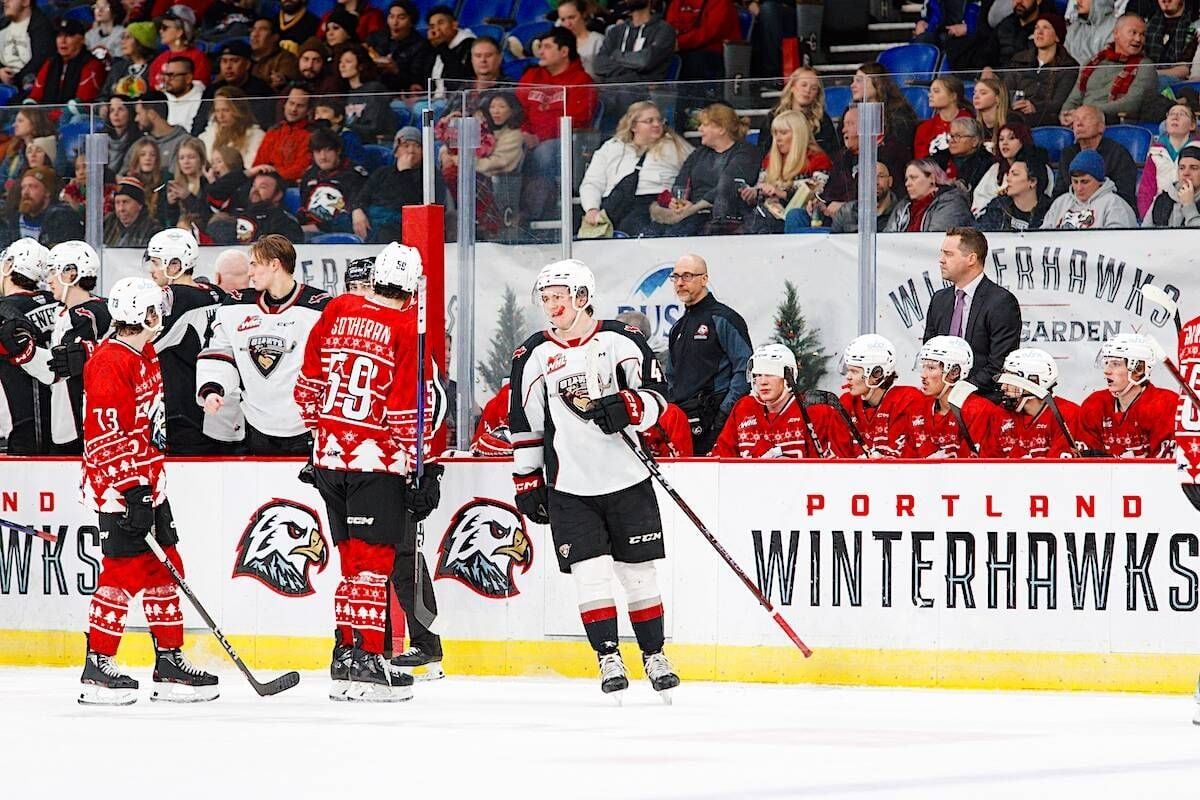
(422, 498)
(67, 360)
(533, 498)
(615, 412)
(308, 474)
(139, 512)
(18, 340)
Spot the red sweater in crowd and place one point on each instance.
(544, 105)
(704, 24)
(285, 147)
(933, 135)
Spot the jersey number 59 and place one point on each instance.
(351, 381)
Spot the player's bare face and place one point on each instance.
(560, 311)
(768, 388)
(60, 282)
(157, 272)
(933, 378)
(856, 382)
(1116, 375)
(260, 274)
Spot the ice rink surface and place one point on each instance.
(535, 738)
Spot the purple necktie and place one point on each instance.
(956, 321)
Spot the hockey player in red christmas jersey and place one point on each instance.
(945, 360)
(881, 410)
(670, 436)
(769, 422)
(357, 393)
(491, 434)
(1131, 418)
(1030, 429)
(124, 433)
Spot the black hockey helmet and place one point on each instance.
(359, 270)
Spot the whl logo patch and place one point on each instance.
(280, 546)
(485, 542)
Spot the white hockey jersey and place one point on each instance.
(260, 347)
(88, 321)
(577, 456)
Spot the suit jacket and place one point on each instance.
(993, 330)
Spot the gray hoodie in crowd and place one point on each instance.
(1088, 36)
(632, 54)
(950, 208)
(1104, 209)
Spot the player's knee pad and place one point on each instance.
(640, 580)
(593, 579)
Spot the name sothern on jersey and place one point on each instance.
(578, 457)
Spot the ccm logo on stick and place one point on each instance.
(645, 537)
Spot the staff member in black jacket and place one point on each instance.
(977, 309)
(709, 349)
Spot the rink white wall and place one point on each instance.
(1059, 633)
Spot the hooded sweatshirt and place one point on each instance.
(633, 54)
(1166, 211)
(1088, 36)
(1104, 209)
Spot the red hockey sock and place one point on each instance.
(342, 618)
(106, 619)
(164, 616)
(368, 596)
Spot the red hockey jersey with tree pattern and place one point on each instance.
(1146, 429)
(1040, 435)
(937, 436)
(886, 428)
(750, 432)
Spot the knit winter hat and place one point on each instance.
(46, 176)
(344, 19)
(144, 33)
(48, 145)
(1088, 162)
(1058, 22)
(131, 187)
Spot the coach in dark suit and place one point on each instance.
(977, 309)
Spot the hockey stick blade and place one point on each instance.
(1158, 297)
(822, 397)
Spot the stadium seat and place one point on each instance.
(476, 12)
(969, 90)
(7, 93)
(513, 70)
(1193, 85)
(674, 67)
(1053, 139)
(377, 156)
(291, 200)
(837, 100)
(1133, 138)
(745, 22)
(911, 63)
(918, 98)
(336, 238)
(527, 32)
(527, 11)
(402, 114)
(81, 13)
(598, 115)
(321, 7)
(494, 31)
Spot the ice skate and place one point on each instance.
(177, 680)
(104, 684)
(613, 678)
(372, 682)
(339, 672)
(415, 658)
(662, 676)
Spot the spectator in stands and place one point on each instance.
(1092, 201)
(845, 216)
(1013, 33)
(26, 42)
(1022, 199)
(330, 112)
(934, 202)
(628, 172)
(234, 66)
(559, 67)
(186, 192)
(701, 30)
(121, 130)
(794, 171)
(1015, 138)
(503, 117)
(1119, 79)
(231, 270)
(127, 75)
(71, 73)
(317, 74)
(266, 213)
(946, 98)
(74, 194)
(574, 15)
(273, 65)
(368, 107)
(1043, 75)
(638, 48)
(704, 196)
(803, 92)
(129, 225)
(403, 57)
(992, 110)
(177, 30)
(362, 18)
(184, 93)
(284, 148)
(37, 215)
(451, 47)
(329, 185)
(30, 123)
(103, 39)
(145, 164)
(1088, 125)
(296, 23)
(228, 183)
(233, 124)
(1175, 206)
(39, 154)
(486, 58)
(150, 115)
(843, 177)
(1091, 30)
(378, 207)
(872, 84)
(1159, 174)
(965, 161)
(340, 28)
(1171, 39)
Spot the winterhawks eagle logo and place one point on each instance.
(279, 547)
(484, 543)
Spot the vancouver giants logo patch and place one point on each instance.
(279, 547)
(266, 352)
(486, 540)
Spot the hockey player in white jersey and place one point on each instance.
(575, 387)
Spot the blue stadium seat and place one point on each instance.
(745, 21)
(1133, 138)
(382, 5)
(1193, 85)
(336, 238)
(291, 200)
(402, 114)
(7, 93)
(527, 11)
(837, 100)
(527, 32)
(969, 90)
(911, 63)
(494, 31)
(80, 13)
(377, 156)
(321, 7)
(475, 12)
(918, 98)
(513, 70)
(598, 116)
(1053, 139)
(674, 67)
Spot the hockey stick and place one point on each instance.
(810, 432)
(280, 684)
(959, 393)
(821, 397)
(420, 610)
(49, 537)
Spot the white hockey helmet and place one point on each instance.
(1135, 348)
(874, 354)
(571, 273)
(25, 257)
(1034, 365)
(400, 266)
(949, 351)
(77, 255)
(132, 298)
(771, 359)
(174, 244)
